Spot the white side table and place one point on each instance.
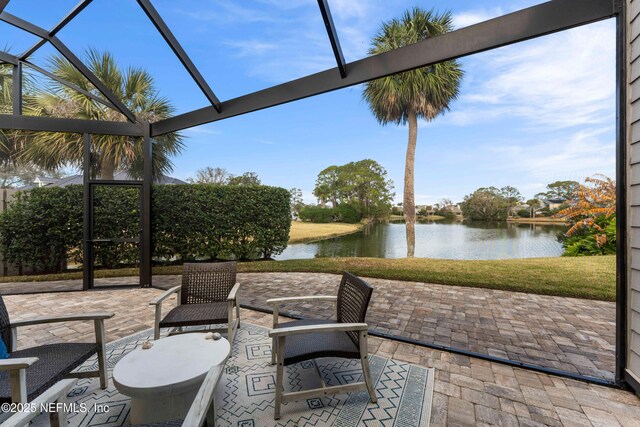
(162, 381)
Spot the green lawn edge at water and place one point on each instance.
(579, 277)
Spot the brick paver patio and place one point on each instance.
(468, 391)
(569, 334)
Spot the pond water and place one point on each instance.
(452, 240)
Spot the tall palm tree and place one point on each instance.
(423, 93)
(134, 86)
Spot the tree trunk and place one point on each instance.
(408, 201)
(107, 168)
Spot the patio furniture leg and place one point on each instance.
(274, 342)
(14, 340)
(230, 324)
(18, 383)
(211, 414)
(364, 359)
(238, 312)
(156, 324)
(279, 379)
(102, 354)
(274, 350)
(59, 418)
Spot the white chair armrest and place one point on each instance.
(286, 300)
(165, 295)
(329, 327)
(234, 291)
(17, 363)
(63, 318)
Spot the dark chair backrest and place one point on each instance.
(5, 329)
(210, 282)
(354, 295)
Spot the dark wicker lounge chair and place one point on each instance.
(30, 372)
(207, 296)
(309, 339)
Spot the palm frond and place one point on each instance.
(134, 86)
(428, 91)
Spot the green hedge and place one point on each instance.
(43, 227)
(342, 213)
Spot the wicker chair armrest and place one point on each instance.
(56, 392)
(17, 363)
(63, 318)
(285, 300)
(234, 291)
(165, 295)
(329, 327)
(203, 400)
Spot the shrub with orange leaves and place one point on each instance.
(592, 211)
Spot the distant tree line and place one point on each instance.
(495, 204)
(220, 176)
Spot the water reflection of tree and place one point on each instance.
(381, 240)
(371, 242)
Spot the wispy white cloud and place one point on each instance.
(252, 47)
(467, 18)
(343, 9)
(560, 81)
(201, 130)
(581, 154)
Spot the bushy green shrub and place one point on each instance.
(584, 242)
(524, 213)
(43, 227)
(40, 227)
(317, 214)
(341, 213)
(347, 213)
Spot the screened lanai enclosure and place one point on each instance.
(539, 20)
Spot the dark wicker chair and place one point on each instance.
(309, 339)
(30, 372)
(207, 296)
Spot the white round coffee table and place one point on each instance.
(162, 381)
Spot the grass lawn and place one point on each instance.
(308, 232)
(580, 277)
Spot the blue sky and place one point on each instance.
(528, 114)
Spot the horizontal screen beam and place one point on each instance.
(52, 124)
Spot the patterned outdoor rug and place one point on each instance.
(245, 394)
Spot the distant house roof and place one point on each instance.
(77, 180)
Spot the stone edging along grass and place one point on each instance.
(581, 277)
